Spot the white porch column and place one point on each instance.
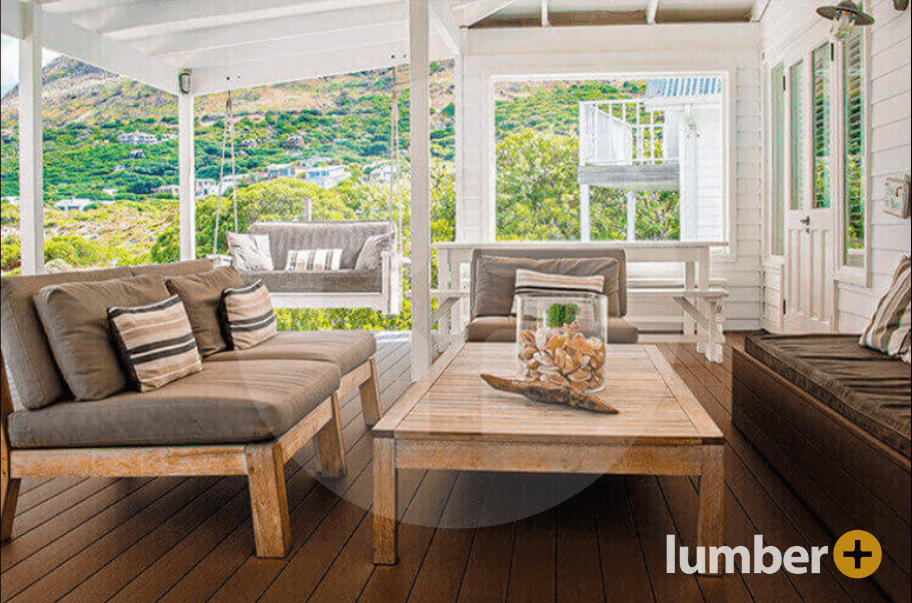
(186, 153)
(31, 146)
(631, 215)
(420, 143)
(585, 213)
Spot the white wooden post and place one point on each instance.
(31, 146)
(631, 215)
(585, 213)
(419, 122)
(186, 152)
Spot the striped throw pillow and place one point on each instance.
(889, 328)
(156, 342)
(530, 281)
(246, 316)
(313, 260)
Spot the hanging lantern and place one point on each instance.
(845, 17)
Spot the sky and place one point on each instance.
(9, 63)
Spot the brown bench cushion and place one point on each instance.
(502, 329)
(866, 387)
(227, 403)
(346, 349)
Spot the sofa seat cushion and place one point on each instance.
(333, 281)
(867, 387)
(227, 403)
(502, 329)
(346, 349)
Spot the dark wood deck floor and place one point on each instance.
(181, 540)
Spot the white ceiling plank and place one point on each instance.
(480, 10)
(757, 9)
(144, 18)
(271, 29)
(346, 41)
(545, 19)
(444, 25)
(61, 35)
(72, 6)
(11, 18)
(652, 7)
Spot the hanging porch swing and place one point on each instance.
(361, 281)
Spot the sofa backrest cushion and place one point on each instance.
(31, 367)
(173, 269)
(494, 275)
(75, 318)
(349, 236)
(201, 293)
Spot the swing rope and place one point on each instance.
(228, 142)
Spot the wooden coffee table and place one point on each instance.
(452, 420)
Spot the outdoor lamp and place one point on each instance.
(844, 16)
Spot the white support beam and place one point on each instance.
(545, 18)
(11, 18)
(186, 120)
(652, 7)
(343, 42)
(272, 29)
(420, 150)
(446, 27)
(758, 9)
(471, 14)
(145, 18)
(62, 36)
(31, 146)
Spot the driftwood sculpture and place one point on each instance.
(548, 393)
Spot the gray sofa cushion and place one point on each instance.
(227, 403)
(335, 281)
(200, 294)
(502, 329)
(346, 349)
(32, 370)
(75, 318)
(562, 251)
(349, 236)
(371, 255)
(494, 279)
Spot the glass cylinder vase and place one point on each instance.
(561, 339)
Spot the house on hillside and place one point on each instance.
(382, 172)
(326, 176)
(294, 141)
(168, 189)
(281, 170)
(137, 138)
(137, 154)
(75, 204)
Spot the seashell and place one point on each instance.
(580, 376)
(527, 353)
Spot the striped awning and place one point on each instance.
(677, 87)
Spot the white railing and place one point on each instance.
(622, 132)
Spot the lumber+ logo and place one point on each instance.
(857, 554)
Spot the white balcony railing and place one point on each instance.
(624, 132)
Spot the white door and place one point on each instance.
(810, 246)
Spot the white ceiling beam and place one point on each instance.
(11, 18)
(72, 6)
(61, 35)
(757, 9)
(652, 7)
(444, 25)
(145, 18)
(545, 19)
(480, 10)
(345, 41)
(271, 29)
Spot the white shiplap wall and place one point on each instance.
(728, 49)
(792, 26)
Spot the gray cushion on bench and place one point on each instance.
(502, 329)
(346, 349)
(349, 236)
(227, 403)
(31, 365)
(336, 281)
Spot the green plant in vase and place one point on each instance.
(560, 315)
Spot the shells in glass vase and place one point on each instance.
(563, 356)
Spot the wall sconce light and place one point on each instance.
(845, 16)
(184, 81)
(900, 5)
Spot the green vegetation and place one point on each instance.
(562, 314)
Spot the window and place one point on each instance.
(777, 92)
(854, 140)
(796, 135)
(820, 63)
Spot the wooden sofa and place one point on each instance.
(502, 328)
(833, 419)
(246, 413)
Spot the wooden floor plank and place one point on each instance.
(579, 567)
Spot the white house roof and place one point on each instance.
(244, 43)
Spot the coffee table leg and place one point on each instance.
(711, 529)
(385, 501)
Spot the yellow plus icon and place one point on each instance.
(857, 554)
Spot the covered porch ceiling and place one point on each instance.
(234, 44)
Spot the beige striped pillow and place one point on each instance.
(889, 329)
(313, 260)
(530, 281)
(156, 342)
(246, 316)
